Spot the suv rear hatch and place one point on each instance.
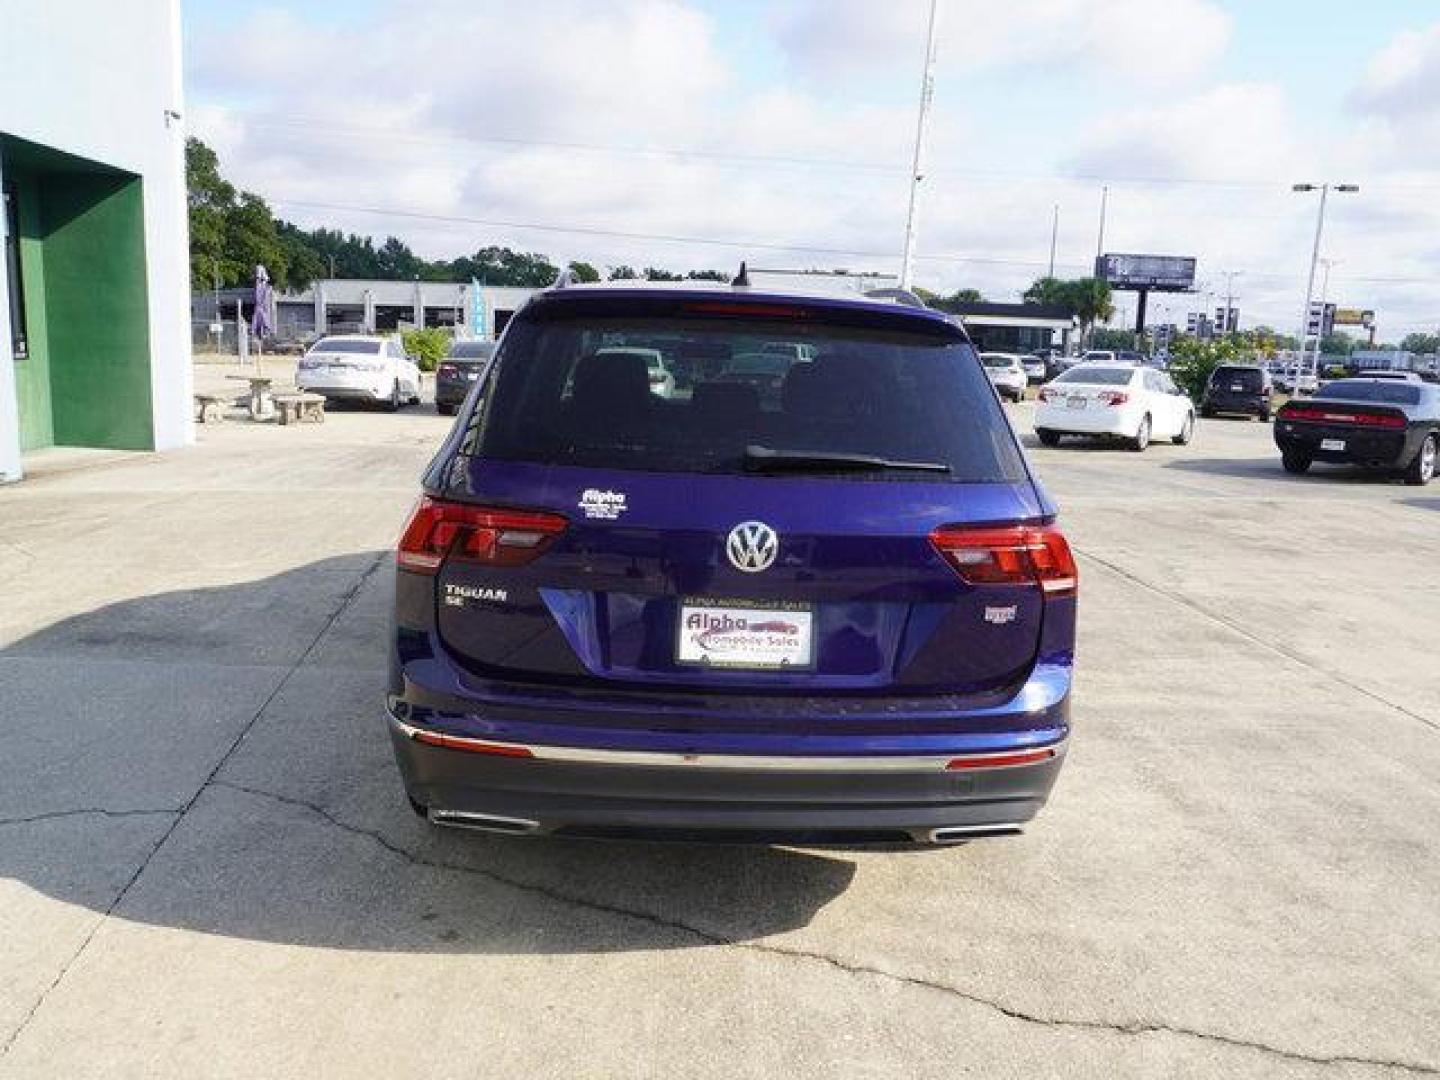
(797, 538)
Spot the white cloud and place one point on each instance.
(1147, 40)
(461, 109)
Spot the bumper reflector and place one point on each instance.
(1002, 761)
(474, 746)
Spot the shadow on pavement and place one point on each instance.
(1268, 468)
(117, 719)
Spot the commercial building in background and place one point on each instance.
(1017, 328)
(355, 305)
(94, 336)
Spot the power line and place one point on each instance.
(759, 245)
(321, 127)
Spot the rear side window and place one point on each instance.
(1098, 376)
(471, 350)
(1385, 393)
(1249, 378)
(347, 345)
(576, 391)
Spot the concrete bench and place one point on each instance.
(298, 406)
(211, 407)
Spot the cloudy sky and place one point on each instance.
(692, 133)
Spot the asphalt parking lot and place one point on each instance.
(207, 867)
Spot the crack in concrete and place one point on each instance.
(345, 601)
(710, 937)
(1251, 636)
(89, 811)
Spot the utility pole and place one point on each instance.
(917, 170)
(1230, 276)
(1324, 190)
(1100, 240)
(332, 267)
(1054, 233)
(1324, 296)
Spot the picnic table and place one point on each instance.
(259, 399)
(298, 406)
(211, 408)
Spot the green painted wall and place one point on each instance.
(32, 375)
(97, 326)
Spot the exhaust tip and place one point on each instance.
(493, 823)
(956, 834)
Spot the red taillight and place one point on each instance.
(438, 530)
(1318, 414)
(1015, 555)
(760, 311)
(1114, 397)
(448, 371)
(474, 746)
(1001, 761)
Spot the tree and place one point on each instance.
(209, 199)
(1421, 343)
(1337, 345)
(1192, 361)
(952, 303)
(654, 274)
(251, 240)
(1112, 339)
(429, 346)
(583, 271)
(1089, 298)
(623, 273)
(708, 275)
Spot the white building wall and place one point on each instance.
(101, 79)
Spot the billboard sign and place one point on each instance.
(1349, 316)
(1163, 273)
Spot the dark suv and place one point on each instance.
(828, 607)
(464, 364)
(1244, 389)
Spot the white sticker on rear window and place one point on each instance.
(601, 504)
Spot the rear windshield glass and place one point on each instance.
(1387, 393)
(1098, 376)
(349, 345)
(577, 391)
(1250, 378)
(471, 350)
(995, 360)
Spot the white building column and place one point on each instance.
(10, 468)
(321, 325)
(419, 308)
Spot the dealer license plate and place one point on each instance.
(736, 634)
(1332, 444)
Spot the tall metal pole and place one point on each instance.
(1324, 296)
(1310, 287)
(1054, 233)
(917, 171)
(1100, 240)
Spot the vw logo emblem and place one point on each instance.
(752, 546)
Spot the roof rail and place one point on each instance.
(564, 279)
(900, 296)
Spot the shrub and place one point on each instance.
(1193, 361)
(428, 346)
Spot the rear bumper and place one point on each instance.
(1253, 405)
(1088, 421)
(451, 392)
(1389, 449)
(350, 392)
(822, 799)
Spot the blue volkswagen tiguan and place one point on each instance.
(804, 591)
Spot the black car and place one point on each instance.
(1375, 423)
(1244, 389)
(457, 373)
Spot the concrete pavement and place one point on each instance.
(207, 867)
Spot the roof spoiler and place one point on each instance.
(900, 296)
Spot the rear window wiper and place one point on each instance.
(765, 459)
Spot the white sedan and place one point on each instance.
(1136, 404)
(372, 369)
(1007, 373)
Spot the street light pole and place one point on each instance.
(1054, 232)
(917, 170)
(1324, 190)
